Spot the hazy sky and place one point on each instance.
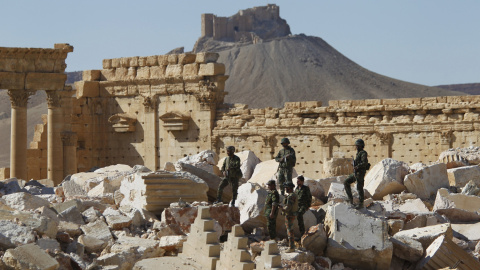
(430, 42)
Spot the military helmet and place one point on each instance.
(360, 142)
(285, 140)
(288, 184)
(231, 148)
(271, 182)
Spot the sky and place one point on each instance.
(431, 42)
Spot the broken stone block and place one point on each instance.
(337, 166)
(386, 177)
(60, 207)
(140, 217)
(357, 240)
(234, 254)
(118, 222)
(91, 243)
(407, 248)
(443, 253)
(24, 201)
(172, 243)
(98, 229)
(413, 206)
(10, 186)
(205, 160)
(425, 182)
(42, 225)
(426, 235)
(266, 171)
(73, 215)
(270, 257)
(119, 260)
(48, 244)
(29, 256)
(169, 166)
(315, 240)
(457, 207)
(467, 231)
(155, 191)
(471, 189)
(423, 220)
(394, 226)
(319, 188)
(459, 177)
(336, 193)
(141, 248)
(90, 215)
(12, 235)
(416, 167)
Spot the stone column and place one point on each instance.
(18, 139)
(151, 134)
(325, 146)
(385, 140)
(69, 140)
(55, 145)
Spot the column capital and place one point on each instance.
(53, 99)
(325, 139)
(384, 137)
(19, 98)
(149, 103)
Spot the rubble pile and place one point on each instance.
(122, 217)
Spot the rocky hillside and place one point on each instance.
(469, 88)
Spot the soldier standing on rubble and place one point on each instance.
(290, 208)
(286, 159)
(232, 174)
(304, 201)
(271, 209)
(361, 166)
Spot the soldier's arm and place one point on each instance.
(309, 197)
(363, 160)
(275, 201)
(279, 157)
(293, 157)
(235, 164)
(224, 164)
(289, 204)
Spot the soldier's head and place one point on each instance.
(271, 185)
(289, 187)
(300, 180)
(230, 150)
(285, 142)
(359, 144)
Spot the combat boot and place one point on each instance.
(232, 203)
(359, 205)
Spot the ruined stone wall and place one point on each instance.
(412, 129)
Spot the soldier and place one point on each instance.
(271, 209)
(304, 202)
(232, 173)
(286, 159)
(290, 211)
(361, 166)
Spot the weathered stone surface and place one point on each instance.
(270, 257)
(172, 243)
(116, 261)
(169, 166)
(315, 240)
(459, 177)
(73, 229)
(319, 188)
(457, 207)
(251, 202)
(91, 215)
(426, 235)
(386, 177)
(336, 193)
(118, 222)
(91, 243)
(425, 183)
(42, 225)
(265, 171)
(98, 229)
(234, 254)
(297, 256)
(141, 248)
(459, 157)
(423, 220)
(357, 240)
(443, 254)
(407, 248)
(471, 189)
(467, 231)
(337, 167)
(29, 256)
(205, 160)
(12, 235)
(48, 244)
(72, 214)
(413, 206)
(24, 201)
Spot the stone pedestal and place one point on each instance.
(270, 257)
(55, 146)
(18, 144)
(235, 255)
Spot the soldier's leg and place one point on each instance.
(288, 175)
(289, 224)
(234, 188)
(281, 180)
(301, 225)
(222, 185)
(272, 228)
(360, 183)
(350, 179)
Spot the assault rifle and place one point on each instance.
(354, 170)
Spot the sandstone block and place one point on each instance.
(206, 57)
(98, 229)
(270, 257)
(12, 235)
(48, 244)
(468, 231)
(116, 261)
(118, 222)
(24, 201)
(91, 243)
(11, 80)
(413, 206)
(471, 189)
(45, 81)
(142, 248)
(459, 177)
(315, 240)
(212, 180)
(186, 58)
(457, 207)
(40, 224)
(72, 229)
(172, 243)
(426, 235)
(29, 256)
(190, 70)
(386, 177)
(174, 70)
(91, 75)
(407, 248)
(211, 69)
(337, 166)
(370, 249)
(425, 182)
(72, 214)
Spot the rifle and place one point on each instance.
(354, 170)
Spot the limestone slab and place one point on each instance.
(426, 235)
(457, 207)
(29, 256)
(459, 177)
(386, 177)
(425, 182)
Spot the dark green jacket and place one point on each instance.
(273, 198)
(361, 161)
(232, 166)
(290, 204)
(291, 160)
(304, 198)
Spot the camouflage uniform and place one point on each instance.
(290, 210)
(285, 169)
(304, 202)
(231, 165)
(361, 162)
(273, 198)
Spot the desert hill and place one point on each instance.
(468, 88)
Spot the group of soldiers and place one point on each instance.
(298, 199)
